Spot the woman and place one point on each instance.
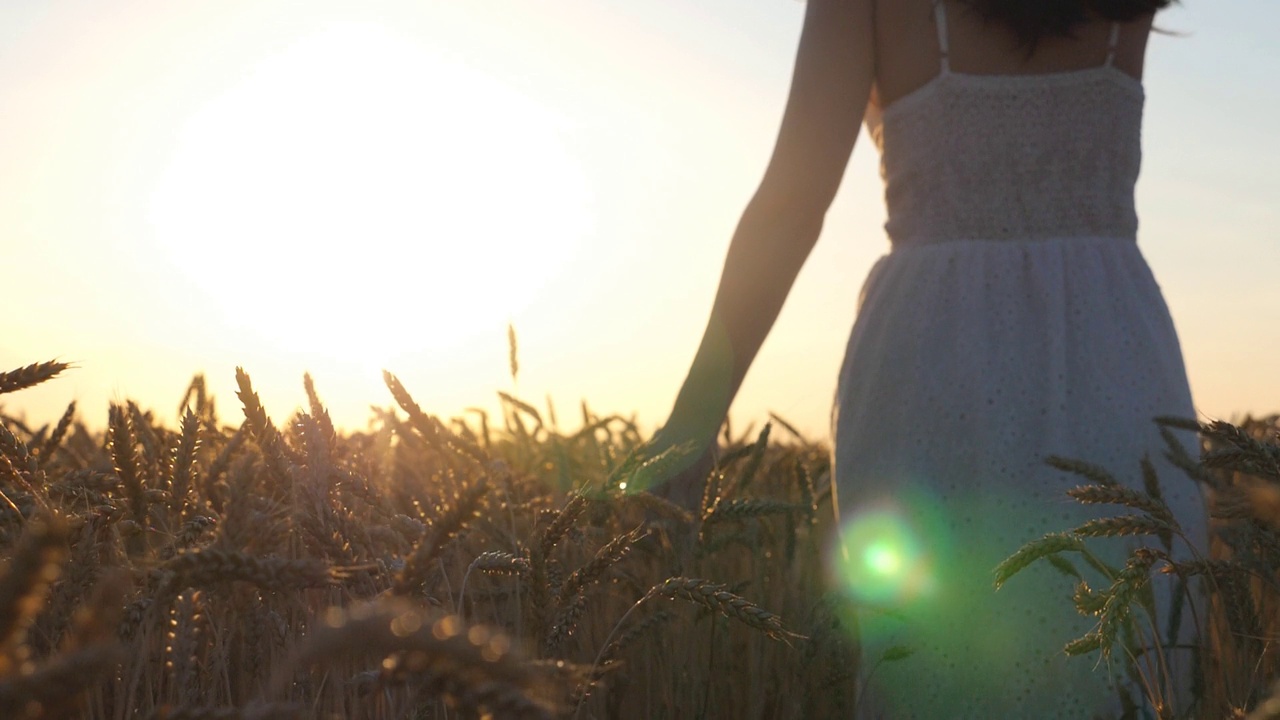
(1013, 319)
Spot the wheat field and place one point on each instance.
(423, 569)
(244, 567)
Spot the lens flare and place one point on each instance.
(879, 559)
(883, 559)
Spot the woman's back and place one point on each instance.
(1046, 146)
(1013, 319)
(907, 55)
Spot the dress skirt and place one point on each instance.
(970, 363)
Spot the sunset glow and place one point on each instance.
(359, 196)
(338, 188)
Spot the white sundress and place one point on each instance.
(1013, 318)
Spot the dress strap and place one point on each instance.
(940, 20)
(1111, 44)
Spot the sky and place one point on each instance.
(342, 187)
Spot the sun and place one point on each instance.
(360, 195)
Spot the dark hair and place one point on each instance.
(1033, 20)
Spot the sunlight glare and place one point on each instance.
(881, 559)
(359, 195)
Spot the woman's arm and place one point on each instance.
(830, 88)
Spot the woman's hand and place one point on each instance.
(677, 460)
(685, 486)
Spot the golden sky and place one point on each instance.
(341, 187)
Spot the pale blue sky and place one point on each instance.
(592, 157)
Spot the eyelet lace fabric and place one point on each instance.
(1014, 318)
(972, 157)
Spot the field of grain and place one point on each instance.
(228, 565)
(228, 568)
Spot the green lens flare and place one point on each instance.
(883, 559)
(879, 560)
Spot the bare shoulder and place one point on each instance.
(1131, 50)
(910, 36)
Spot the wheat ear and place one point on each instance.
(59, 432)
(210, 567)
(183, 462)
(1118, 495)
(460, 514)
(29, 376)
(1050, 544)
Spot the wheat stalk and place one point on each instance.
(429, 427)
(500, 563)
(807, 492)
(564, 519)
(710, 595)
(1050, 544)
(512, 355)
(1118, 495)
(447, 526)
(183, 463)
(14, 448)
(51, 445)
(222, 462)
(1086, 470)
(124, 457)
(210, 567)
(614, 649)
(610, 653)
(263, 431)
(566, 622)
(152, 455)
(715, 597)
(607, 556)
(29, 376)
(571, 599)
(318, 410)
(1124, 525)
(727, 510)
(1087, 600)
(1117, 608)
(526, 408)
